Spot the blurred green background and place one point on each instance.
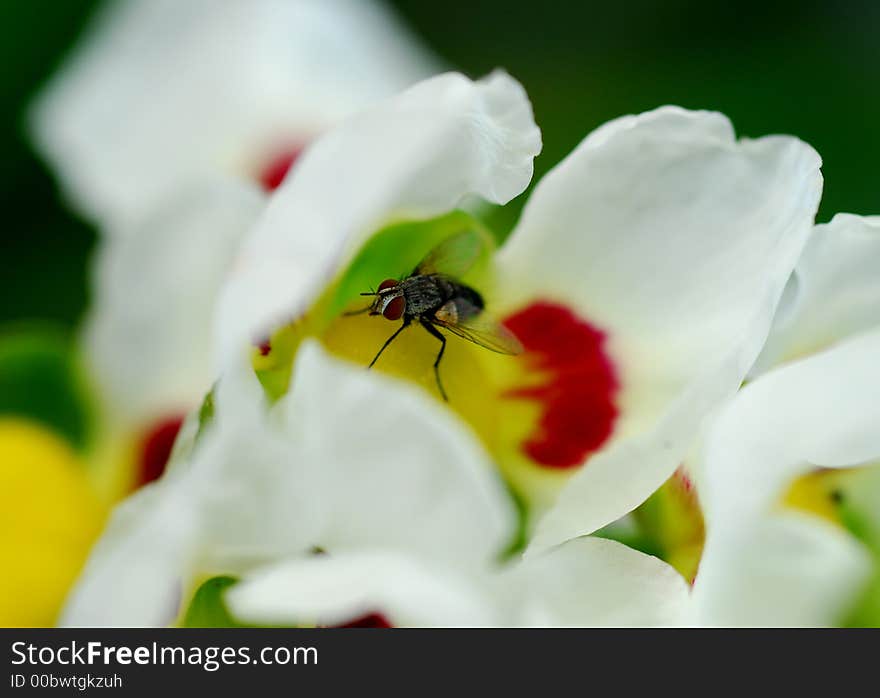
(807, 68)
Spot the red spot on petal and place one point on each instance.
(684, 480)
(265, 347)
(578, 394)
(277, 168)
(156, 449)
(371, 620)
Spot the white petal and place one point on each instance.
(820, 411)
(136, 572)
(588, 582)
(335, 590)
(834, 292)
(163, 92)
(784, 571)
(346, 460)
(676, 240)
(396, 469)
(414, 156)
(147, 337)
(593, 582)
(254, 491)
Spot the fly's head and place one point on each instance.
(390, 302)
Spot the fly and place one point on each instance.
(433, 296)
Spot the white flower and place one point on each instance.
(164, 94)
(642, 278)
(765, 562)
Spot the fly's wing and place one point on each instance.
(489, 334)
(453, 257)
(482, 329)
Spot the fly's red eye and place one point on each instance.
(394, 309)
(388, 283)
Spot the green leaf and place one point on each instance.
(207, 610)
(394, 252)
(206, 414)
(866, 611)
(857, 495)
(519, 539)
(39, 380)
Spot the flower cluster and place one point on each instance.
(653, 403)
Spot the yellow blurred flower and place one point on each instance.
(49, 517)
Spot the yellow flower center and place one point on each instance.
(817, 493)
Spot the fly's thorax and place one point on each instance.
(425, 293)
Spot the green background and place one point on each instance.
(807, 68)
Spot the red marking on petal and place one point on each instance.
(265, 347)
(578, 395)
(684, 479)
(277, 168)
(371, 620)
(156, 449)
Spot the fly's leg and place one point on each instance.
(439, 335)
(388, 341)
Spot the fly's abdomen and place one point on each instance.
(469, 302)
